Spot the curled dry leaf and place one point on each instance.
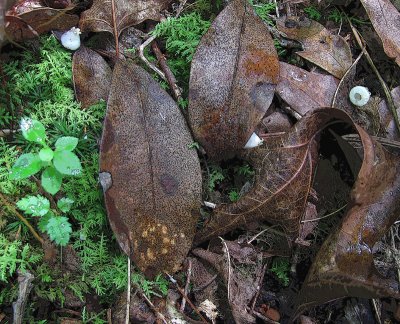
(304, 90)
(29, 18)
(127, 13)
(345, 263)
(91, 75)
(386, 21)
(154, 184)
(284, 170)
(330, 52)
(233, 77)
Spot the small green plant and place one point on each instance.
(56, 163)
(194, 145)
(216, 176)
(339, 16)
(244, 170)
(280, 267)
(264, 10)
(234, 195)
(313, 13)
(57, 227)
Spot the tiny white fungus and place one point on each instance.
(254, 141)
(359, 96)
(71, 39)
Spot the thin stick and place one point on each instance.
(128, 296)
(325, 216)
(189, 274)
(167, 72)
(145, 60)
(264, 268)
(378, 316)
(229, 267)
(25, 286)
(6, 132)
(114, 18)
(152, 307)
(22, 218)
(384, 141)
(388, 95)
(186, 297)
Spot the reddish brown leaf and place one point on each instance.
(304, 90)
(151, 179)
(344, 263)
(232, 82)
(28, 18)
(386, 21)
(127, 13)
(321, 47)
(92, 77)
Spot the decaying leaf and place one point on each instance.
(344, 265)
(330, 52)
(152, 180)
(242, 285)
(91, 75)
(386, 21)
(284, 169)
(304, 90)
(233, 77)
(127, 13)
(29, 18)
(386, 117)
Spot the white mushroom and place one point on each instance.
(254, 141)
(71, 39)
(359, 96)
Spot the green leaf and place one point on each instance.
(46, 154)
(59, 230)
(66, 143)
(51, 180)
(64, 204)
(67, 162)
(33, 130)
(34, 205)
(44, 220)
(25, 166)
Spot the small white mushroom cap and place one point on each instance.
(254, 141)
(71, 39)
(359, 96)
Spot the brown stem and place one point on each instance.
(22, 218)
(114, 18)
(167, 71)
(53, 204)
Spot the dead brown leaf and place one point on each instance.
(386, 21)
(127, 13)
(29, 18)
(330, 52)
(152, 180)
(242, 285)
(304, 90)
(386, 117)
(233, 77)
(344, 265)
(91, 76)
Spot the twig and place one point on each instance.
(394, 248)
(264, 230)
(325, 216)
(378, 316)
(384, 141)
(146, 61)
(229, 267)
(186, 297)
(128, 296)
(264, 318)
(160, 316)
(25, 286)
(189, 274)
(205, 285)
(180, 8)
(167, 72)
(388, 95)
(6, 132)
(109, 316)
(114, 20)
(259, 285)
(22, 218)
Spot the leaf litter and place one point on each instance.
(152, 181)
